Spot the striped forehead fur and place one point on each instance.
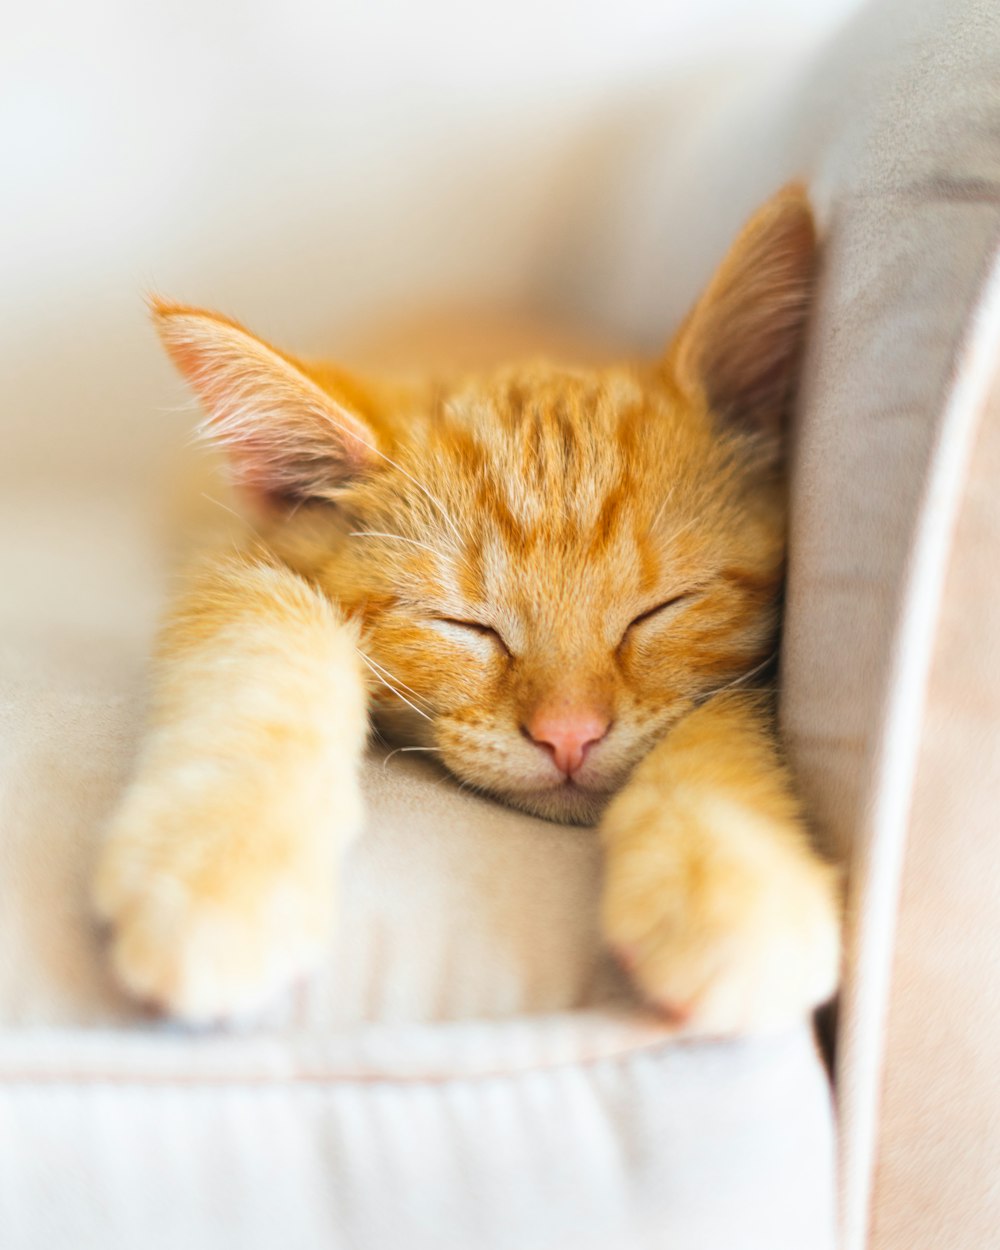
(548, 443)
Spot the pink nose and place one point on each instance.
(567, 735)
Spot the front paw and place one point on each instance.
(209, 921)
(727, 923)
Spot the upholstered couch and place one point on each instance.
(470, 1070)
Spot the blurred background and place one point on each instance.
(309, 167)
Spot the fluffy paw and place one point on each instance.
(205, 922)
(727, 923)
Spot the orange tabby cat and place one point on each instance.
(556, 578)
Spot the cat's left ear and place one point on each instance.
(740, 345)
(287, 438)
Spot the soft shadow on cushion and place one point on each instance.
(454, 907)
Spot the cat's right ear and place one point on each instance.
(286, 438)
(739, 348)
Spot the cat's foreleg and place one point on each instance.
(218, 873)
(714, 898)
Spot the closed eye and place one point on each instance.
(655, 611)
(475, 627)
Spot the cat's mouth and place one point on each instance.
(522, 780)
(565, 801)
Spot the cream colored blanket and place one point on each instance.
(467, 1071)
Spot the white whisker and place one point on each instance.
(225, 507)
(738, 681)
(661, 509)
(398, 537)
(684, 529)
(398, 681)
(402, 750)
(399, 695)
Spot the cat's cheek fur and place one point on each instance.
(726, 919)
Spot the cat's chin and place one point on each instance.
(567, 804)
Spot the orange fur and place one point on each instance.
(531, 537)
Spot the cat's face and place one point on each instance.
(547, 567)
(561, 563)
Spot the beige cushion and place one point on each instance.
(316, 1127)
(468, 1069)
(887, 627)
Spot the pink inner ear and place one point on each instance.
(285, 437)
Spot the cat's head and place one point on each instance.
(547, 565)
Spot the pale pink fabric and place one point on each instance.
(938, 1159)
(902, 357)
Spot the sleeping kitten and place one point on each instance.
(558, 579)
